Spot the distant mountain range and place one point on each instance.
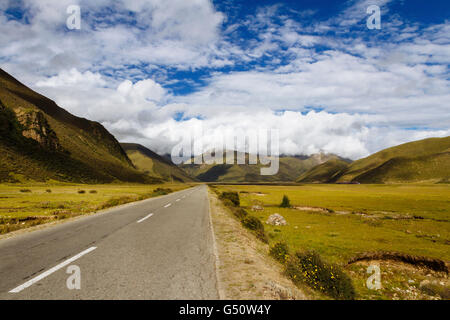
(290, 167)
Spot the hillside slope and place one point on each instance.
(324, 172)
(41, 141)
(426, 160)
(153, 164)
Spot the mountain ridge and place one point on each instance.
(41, 141)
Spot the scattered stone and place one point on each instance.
(276, 220)
(424, 283)
(257, 208)
(280, 291)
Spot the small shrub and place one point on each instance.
(48, 191)
(25, 190)
(285, 203)
(308, 267)
(254, 224)
(112, 202)
(240, 213)
(161, 191)
(233, 197)
(81, 191)
(436, 290)
(279, 251)
(93, 191)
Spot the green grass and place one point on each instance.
(65, 200)
(339, 233)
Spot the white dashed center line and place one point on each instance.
(167, 205)
(145, 218)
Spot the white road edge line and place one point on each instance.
(50, 271)
(167, 205)
(145, 218)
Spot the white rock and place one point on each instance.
(276, 220)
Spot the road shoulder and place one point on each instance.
(244, 269)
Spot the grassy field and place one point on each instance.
(24, 205)
(341, 221)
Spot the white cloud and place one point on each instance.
(371, 91)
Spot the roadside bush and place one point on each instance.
(115, 202)
(279, 251)
(308, 267)
(161, 191)
(81, 191)
(233, 197)
(254, 224)
(25, 190)
(240, 213)
(436, 290)
(48, 191)
(285, 203)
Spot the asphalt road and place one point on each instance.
(160, 248)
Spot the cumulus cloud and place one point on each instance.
(324, 91)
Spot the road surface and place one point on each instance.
(160, 248)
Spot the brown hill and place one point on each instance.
(41, 141)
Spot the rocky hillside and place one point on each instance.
(41, 141)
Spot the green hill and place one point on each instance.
(40, 141)
(419, 161)
(290, 167)
(153, 164)
(324, 172)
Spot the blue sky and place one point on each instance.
(151, 70)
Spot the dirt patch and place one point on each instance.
(245, 271)
(313, 209)
(430, 263)
(259, 194)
